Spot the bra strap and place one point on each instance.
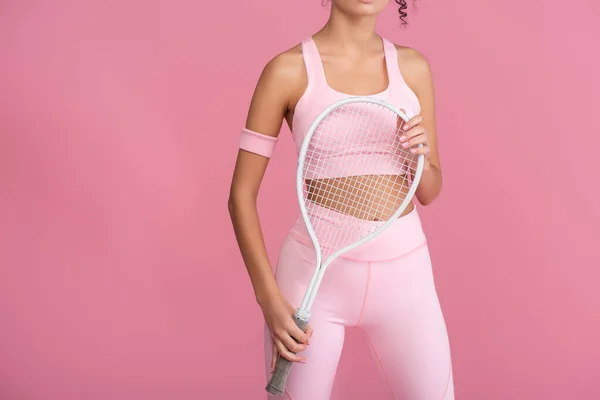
(391, 63)
(312, 62)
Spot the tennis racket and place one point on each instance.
(354, 179)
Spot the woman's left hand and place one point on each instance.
(413, 134)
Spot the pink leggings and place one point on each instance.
(386, 289)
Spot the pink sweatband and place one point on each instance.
(257, 143)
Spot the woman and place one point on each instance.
(384, 287)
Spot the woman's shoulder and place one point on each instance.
(410, 57)
(414, 66)
(286, 70)
(286, 65)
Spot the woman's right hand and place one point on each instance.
(279, 316)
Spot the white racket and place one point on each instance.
(354, 179)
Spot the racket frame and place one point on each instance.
(303, 311)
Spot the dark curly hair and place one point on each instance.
(402, 11)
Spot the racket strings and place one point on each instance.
(346, 196)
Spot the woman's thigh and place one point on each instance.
(338, 303)
(404, 326)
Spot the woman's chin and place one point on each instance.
(366, 8)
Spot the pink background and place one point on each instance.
(119, 275)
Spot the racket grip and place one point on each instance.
(283, 366)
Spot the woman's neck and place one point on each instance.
(346, 31)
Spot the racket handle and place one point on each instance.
(282, 367)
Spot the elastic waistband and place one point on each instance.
(402, 237)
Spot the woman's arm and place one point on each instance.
(268, 107)
(265, 116)
(417, 74)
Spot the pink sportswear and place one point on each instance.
(385, 287)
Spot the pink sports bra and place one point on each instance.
(319, 95)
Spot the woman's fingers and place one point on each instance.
(420, 150)
(286, 353)
(414, 137)
(418, 130)
(401, 125)
(414, 121)
(411, 130)
(289, 340)
(274, 355)
(309, 332)
(414, 140)
(297, 334)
